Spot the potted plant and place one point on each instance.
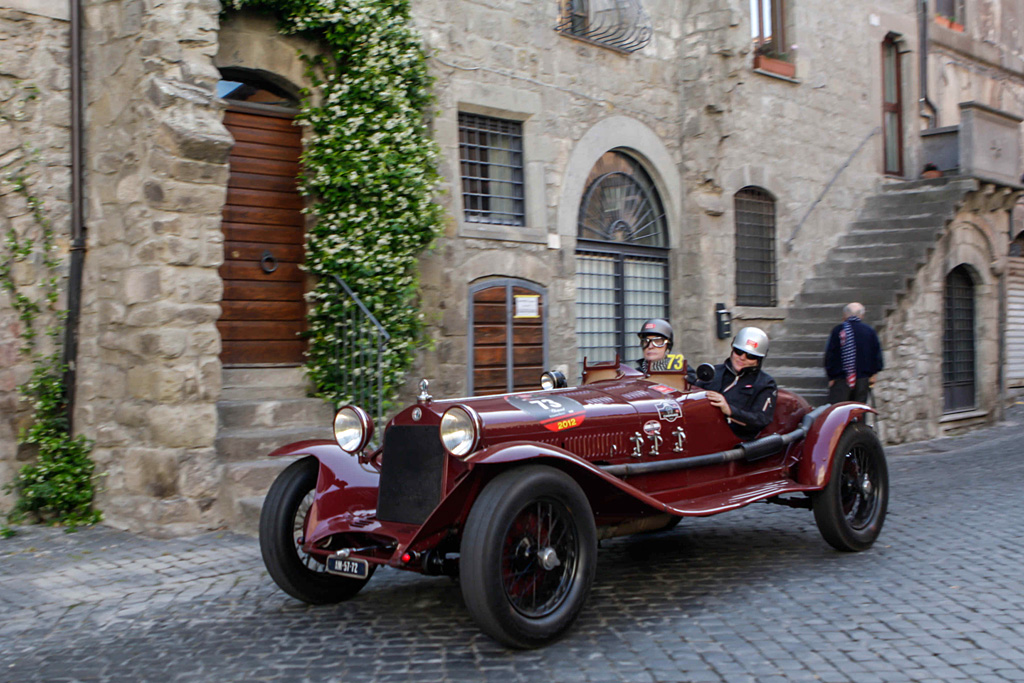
(767, 58)
(930, 170)
(949, 22)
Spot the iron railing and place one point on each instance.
(621, 24)
(358, 354)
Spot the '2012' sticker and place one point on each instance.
(556, 413)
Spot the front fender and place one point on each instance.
(345, 488)
(815, 464)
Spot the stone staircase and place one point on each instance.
(873, 263)
(261, 409)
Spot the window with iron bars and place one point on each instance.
(755, 248)
(491, 159)
(621, 261)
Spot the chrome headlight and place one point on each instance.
(553, 379)
(460, 430)
(352, 429)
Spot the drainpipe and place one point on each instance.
(70, 352)
(923, 102)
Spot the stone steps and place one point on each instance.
(261, 410)
(874, 263)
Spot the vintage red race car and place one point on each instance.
(511, 493)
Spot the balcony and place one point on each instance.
(986, 146)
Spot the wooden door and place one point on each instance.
(508, 337)
(263, 310)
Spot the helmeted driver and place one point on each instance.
(656, 339)
(741, 389)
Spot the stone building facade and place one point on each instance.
(797, 117)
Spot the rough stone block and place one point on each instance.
(152, 471)
(185, 426)
(142, 285)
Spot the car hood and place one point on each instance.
(555, 415)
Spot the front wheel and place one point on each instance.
(850, 510)
(282, 527)
(528, 556)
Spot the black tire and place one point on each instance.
(507, 583)
(851, 509)
(282, 521)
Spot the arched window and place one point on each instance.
(621, 259)
(755, 247)
(958, 342)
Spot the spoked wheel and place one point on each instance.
(528, 556)
(282, 527)
(851, 509)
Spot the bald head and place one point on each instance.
(853, 309)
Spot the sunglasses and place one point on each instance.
(744, 354)
(656, 342)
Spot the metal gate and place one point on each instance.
(1015, 322)
(958, 342)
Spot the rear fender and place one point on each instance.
(344, 487)
(815, 463)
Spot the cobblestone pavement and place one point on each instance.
(752, 595)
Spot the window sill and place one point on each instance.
(758, 313)
(506, 233)
(962, 416)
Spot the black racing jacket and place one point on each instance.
(751, 396)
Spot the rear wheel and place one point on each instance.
(282, 527)
(851, 509)
(528, 556)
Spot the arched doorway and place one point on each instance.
(958, 366)
(621, 258)
(263, 311)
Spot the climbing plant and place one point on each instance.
(57, 486)
(370, 167)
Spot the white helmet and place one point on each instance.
(753, 341)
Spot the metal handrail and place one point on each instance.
(352, 334)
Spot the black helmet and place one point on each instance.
(659, 327)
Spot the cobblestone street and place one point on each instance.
(752, 595)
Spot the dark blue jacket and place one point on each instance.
(751, 395)
(869, 351)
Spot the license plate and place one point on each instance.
(347, 566)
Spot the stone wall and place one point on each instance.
(909, 393)
(149, 373)
(34, 130)
(814, 142)
(576, 100)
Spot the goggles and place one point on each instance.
(656, 342)
(745, 354)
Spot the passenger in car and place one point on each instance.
(741, 389)
(656, 339)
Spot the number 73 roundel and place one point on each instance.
(556, 413)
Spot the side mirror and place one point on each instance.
(705, 372)
(553, 379)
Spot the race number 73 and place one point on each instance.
(675, 361)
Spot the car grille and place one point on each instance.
(411, 470)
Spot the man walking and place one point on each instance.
(853, 357)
